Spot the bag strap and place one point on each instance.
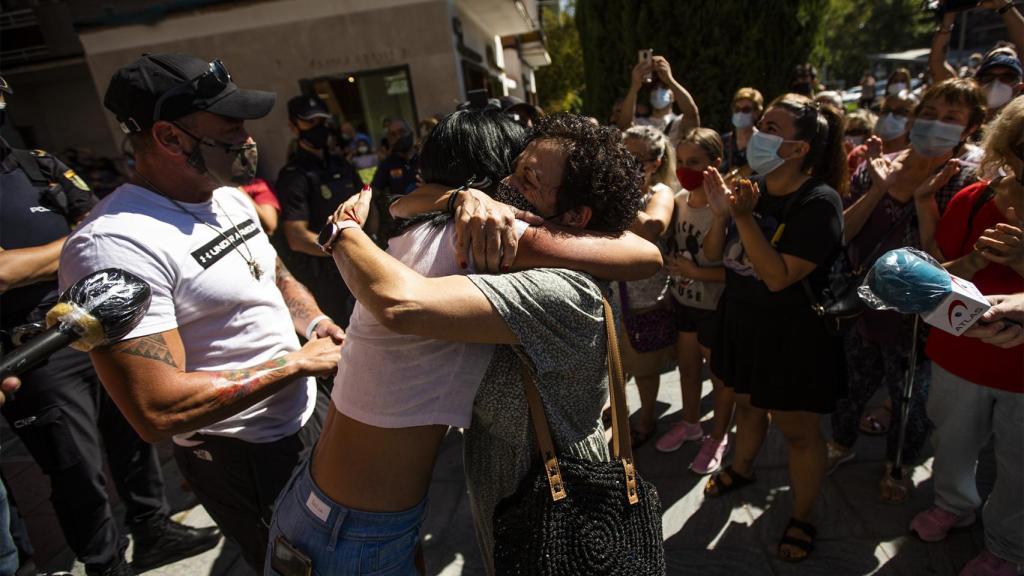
(622, 449)
(979, 202)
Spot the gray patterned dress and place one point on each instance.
(558, 317)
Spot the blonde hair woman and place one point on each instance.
(977, 389)
(648, 332)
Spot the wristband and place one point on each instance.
(453, 198)
(313, 323)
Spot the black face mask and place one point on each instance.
(403, 144)
(507, 194)
(316, 136)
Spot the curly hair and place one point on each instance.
(1001, 138)
(599, 172)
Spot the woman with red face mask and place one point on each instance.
(697, 284)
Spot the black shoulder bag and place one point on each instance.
(577, 516)
(839, 305)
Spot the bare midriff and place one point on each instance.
(374, 469)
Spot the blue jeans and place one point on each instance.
(340, 540)
(8, 552)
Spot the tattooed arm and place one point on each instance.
(303, 306)
(146, 377)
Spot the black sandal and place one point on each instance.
(805, 546)
(715, 487)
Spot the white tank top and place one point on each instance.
(391, 380)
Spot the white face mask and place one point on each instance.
(854, 141)
(742, 120)
(896, 88)
(661, 98)
(763, 152)
(933, 138)
(998, 94)
(891, 127)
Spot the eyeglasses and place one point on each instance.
(207, 141)
(207, 85)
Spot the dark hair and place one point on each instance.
(954, 91)
(821, 126)
(474, 145)
(599, 172)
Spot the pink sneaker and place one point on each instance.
(709, 459)
(988, 564)
(679, 433)
(934, 524)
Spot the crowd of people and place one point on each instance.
(311, 340)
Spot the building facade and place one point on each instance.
(368, 59)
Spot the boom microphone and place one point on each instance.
(100, 308)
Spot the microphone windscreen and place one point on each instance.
(102, 307)
(906, 280)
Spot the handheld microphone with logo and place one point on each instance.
(910, 281)
(98, 309)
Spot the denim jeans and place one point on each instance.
(340, 540)
(8, 552)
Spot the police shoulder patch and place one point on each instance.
(76, 180)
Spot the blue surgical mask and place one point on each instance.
(891, 126)
(742, 120)
(763, 152)
(934, 138)
(660, 98)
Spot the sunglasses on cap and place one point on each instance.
(206, 85)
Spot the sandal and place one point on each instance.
(892, 490)
(715, 487)
(877, 422)
(805, 546)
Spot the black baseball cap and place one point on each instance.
(307, 107)
(169, 86)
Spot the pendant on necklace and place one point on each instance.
(255, 270)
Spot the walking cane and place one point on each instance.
(896, 473)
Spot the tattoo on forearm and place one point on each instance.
(234, 384)
(297, 298)
(153, 347)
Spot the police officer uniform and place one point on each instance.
(310, 187)
(62, 414)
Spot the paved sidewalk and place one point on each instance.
(733, 536)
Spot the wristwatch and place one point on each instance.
(330, 232)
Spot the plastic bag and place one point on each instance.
(102, 307)
(906, 280)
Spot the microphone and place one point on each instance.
(100, 308)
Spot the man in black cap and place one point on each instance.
(215, 363)
(310, 187)
(1000, 71)
(519, 110)
(62, 414)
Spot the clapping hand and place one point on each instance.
(1004, 244)
(931, 186)
(718, 193)
(882, 171)
(744, 198)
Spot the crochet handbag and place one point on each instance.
(577, 516)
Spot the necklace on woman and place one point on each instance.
(254, 267)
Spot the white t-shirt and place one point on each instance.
(691, 225)
(391, 380)
(201, 286)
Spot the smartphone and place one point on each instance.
(645, 55)
(288, 560)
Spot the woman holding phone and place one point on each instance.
(771, 348)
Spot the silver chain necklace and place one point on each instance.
(254, 267)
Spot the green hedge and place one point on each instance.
(714, 47)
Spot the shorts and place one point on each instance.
(703, 322)
(340, 540)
